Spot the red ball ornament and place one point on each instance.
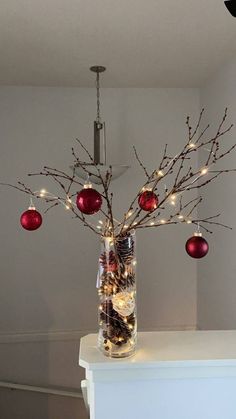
(148, 201)
(89, 201)
(31, 219)
(197, 247)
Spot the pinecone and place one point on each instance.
(117, 330)
(108, 262)
(116, 282)
(125, 248)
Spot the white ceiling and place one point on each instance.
(143, 43)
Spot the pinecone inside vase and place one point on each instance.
(108, 261)
(117, 329)
(125, 248)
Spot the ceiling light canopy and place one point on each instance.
(100, 146)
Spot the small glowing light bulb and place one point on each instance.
(163, 221)
(100, 307)
(42, 193)
(180, 217)
(131, 327)
(100, 222)
(192, 145)
(126, 226)
(152, 223)
(204, 171)
(160, 173)
(67, 207)
(134, 262)
(189, 222)
(99, 227)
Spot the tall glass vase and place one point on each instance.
(117, 296)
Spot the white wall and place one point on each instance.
(48, 277)
(217, 272)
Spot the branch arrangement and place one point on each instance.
(175, 175)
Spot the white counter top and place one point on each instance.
(174, 375)
(166, 348)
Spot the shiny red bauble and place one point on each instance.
(31, 219)
(148, 201)
(89, 201)
(197, 247)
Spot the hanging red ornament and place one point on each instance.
(148, 201)
(197, 247)
(89, 201)
(31, 219)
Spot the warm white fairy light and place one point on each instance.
(204, 171)
(131, 326)
(163, 221)
(42, 193)
(129, 213)
(99, 227)
(152, 223)
(100, 307)
(100, 222)
(189, 222)
(160, 173)
(67, 207)
(134, 262)
(126, 226)
(180, 217)
(192, 145)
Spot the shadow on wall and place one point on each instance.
(24, 405)
(43, 360)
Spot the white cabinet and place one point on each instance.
(174, 375)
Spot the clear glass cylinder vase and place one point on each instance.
(117, 296)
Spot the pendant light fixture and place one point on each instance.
(100, 146)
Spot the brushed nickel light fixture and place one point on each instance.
(100, 146)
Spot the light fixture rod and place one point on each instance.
(98, 124)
